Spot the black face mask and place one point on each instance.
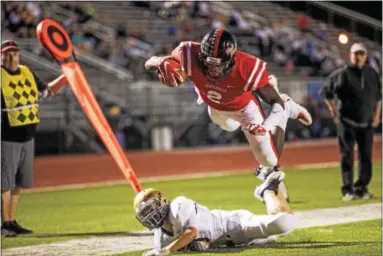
(152, 214)
(214, 67)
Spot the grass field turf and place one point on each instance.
(65, 215)
(361, 238)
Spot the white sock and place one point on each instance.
(283, 189)
(292, 109)
(269, 199)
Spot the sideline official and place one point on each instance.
(353, 96)
(20, 93)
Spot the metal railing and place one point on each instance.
(86, 58)
(353, 16)
(100, 30)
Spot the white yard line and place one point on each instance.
(108, 245)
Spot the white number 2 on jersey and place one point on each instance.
(214, 96)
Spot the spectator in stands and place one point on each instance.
(375, 61)
(103, 49)
(322, 31)
(15, 18)
(303, 22)
(114, 119)
(28, 22)
(90, 37)
(280, 56)
(266, 39)
(201, 10)
(183, 12)
(121, 31)
(319, 56)
(117, 55)
(218, 21)
(68, 23)
(77, 37)
(328, 65)
(83, 15)
(35, 9)
(138, 33)
(240, 23)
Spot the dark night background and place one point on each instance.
(370, 8)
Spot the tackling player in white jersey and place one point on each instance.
(185, 224)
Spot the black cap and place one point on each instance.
(9, 45)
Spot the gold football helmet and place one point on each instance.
(151, 208)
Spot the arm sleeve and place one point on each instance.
(176, 53)
(334, 80)
(157, 238)
(183, 54)
(255, 73)
(379, 81)
(41, 86)
(187, 213)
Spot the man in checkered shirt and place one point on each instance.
(20, 92)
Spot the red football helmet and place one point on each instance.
(217, 55)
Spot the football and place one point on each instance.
(175, 67)
(171, 72)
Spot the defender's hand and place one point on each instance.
(199, 245)
(156, 252)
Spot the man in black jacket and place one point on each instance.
(353, 96)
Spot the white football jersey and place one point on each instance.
(220, 227)
(185, 213)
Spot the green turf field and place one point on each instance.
(70, 214)
(362, 238)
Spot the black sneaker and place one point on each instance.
(7, 230)
(362, 193)
(365, 195)
(19, 229)
(271, 183)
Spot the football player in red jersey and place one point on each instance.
(225, 79)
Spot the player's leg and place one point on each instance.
(269, 193)
(280, 219)
(293, 109)
(262, 172)
(265, 148)
(223, 121)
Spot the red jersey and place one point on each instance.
(230, 93)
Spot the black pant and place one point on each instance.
(347, 136)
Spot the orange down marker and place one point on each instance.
(55, 39)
